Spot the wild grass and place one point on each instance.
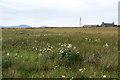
(60, 53)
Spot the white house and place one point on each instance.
(107, 24)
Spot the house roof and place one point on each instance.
(108, 23)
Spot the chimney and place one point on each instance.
(113, 23)
(102, 22)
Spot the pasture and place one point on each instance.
(60, 53)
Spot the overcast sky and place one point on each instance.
(57, 13)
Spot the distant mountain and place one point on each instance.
(23, 26)
(44, 26)
(19, 26)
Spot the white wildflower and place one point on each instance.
(84, 68)
(35, 41)
(40, 54)
(48, 49)
(8, 54)
(36, 49)
(48, 44)
(61, 51)
(15, 54)
(72, 77)
(40, 50)
(106, 45)
(80, 70)
(90, 77)
(74, 47)
(86, 38)
(108, 65)
(90, 39)
(51, 47)
(32, 76)
(45, 35)
(63, 45)
(44, 49)
(56, 66)
(63, 76)
(95, 73)
(69, 45)
(96, 40)
(22, 42)
(59, 43)
(104, 76)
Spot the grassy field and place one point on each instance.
(60, 53)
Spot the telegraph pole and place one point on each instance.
(80, 22)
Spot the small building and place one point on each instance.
(107, 24)
(91, 26)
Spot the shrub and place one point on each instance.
(65, 55)
(69, 57)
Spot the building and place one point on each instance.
(107, 24)
(119, 13)
(91, 26)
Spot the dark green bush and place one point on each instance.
(69, 57)
(66, 58)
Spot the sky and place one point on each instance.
(57, 13)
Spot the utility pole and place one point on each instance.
(119, 13)
(80, 22)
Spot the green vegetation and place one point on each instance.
(60, 53)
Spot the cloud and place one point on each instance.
(57, 12)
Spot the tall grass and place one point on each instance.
(60, 52)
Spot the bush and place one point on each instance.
(64, 55)
(69, 57)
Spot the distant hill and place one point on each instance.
(19, 26)
(44, 26)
